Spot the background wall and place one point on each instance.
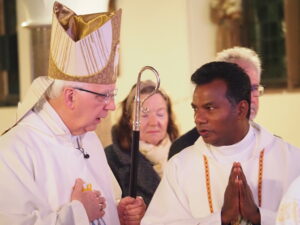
(176, 37)
(279, 112)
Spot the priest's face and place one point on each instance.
(217, 119)
(91, 106)
(154, 119)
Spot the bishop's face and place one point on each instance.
(90, 108)
(218, 120)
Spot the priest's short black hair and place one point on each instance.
(236, 79)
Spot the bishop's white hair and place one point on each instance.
(240, 53)
(58, 85)
(55, 90)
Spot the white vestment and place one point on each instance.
(182, 199)
(39, 163)
(289, 210)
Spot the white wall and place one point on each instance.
(176, 37)
(158, 33)
(280, 113)
(8, 117)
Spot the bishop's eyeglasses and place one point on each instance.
(107, 97)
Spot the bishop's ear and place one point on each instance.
(69, 95)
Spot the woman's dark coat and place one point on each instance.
(119, 162)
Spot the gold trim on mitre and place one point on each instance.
(84, 48)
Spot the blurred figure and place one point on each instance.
(249, 61)
(157, 131)
(289, 210)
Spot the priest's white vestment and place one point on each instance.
(39, 163)
(182, 196)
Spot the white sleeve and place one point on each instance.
(71, 213)
(169, 205)
(116, 187)
(22, 203)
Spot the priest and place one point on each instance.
(236, 172)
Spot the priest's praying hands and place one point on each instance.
(238, 199)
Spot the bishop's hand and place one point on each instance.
(131, 210)
(92, 200)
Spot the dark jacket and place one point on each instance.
(119, 162)
(183, 141)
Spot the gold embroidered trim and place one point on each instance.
(106, 75)
(260, 175)
(207, 181)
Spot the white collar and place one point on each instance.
(237, 152)
(47, 113)
(263, 140)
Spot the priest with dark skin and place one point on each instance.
(238, 199)
(228, 176)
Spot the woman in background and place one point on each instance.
(157, 131)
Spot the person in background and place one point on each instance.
(157, 131)
(52, 164)
(289, 209)
(236, 172)
(249, 61)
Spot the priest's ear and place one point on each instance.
(243, 108)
